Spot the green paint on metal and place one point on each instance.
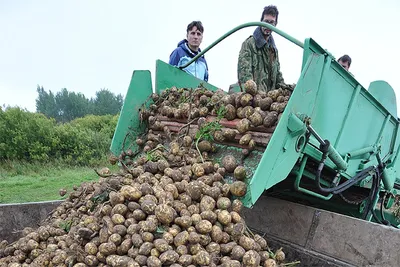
(336, 158)
(390, 200)
(168, 76)
(295, 125)
(393, 158)
(360, 152)
(299, 175)
(388, 178)
(389, 216)
(312, 152)
(277, 162)
(336, 102)
(129, 125)
(335, 105)
(235, 89)
(383, 128)
(350, 107)
(385, 94)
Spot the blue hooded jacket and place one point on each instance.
(182, 54)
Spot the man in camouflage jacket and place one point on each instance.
(258, 57)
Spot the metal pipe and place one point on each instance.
(336, 158)
(362, 151)
(332, 153)
(303, 190)
(245, 25)
(387, 179)
(316, 135)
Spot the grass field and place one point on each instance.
(20, 183)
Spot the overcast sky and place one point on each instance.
(88, 45)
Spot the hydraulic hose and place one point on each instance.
(384, 221)
(376, 217)
(376, 178)
(324, 147)
(372, 195)
(344, 186)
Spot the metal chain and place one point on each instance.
(354, 202)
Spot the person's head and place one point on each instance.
(269, 15)
(194, 34)
(345, 61)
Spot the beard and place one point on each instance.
(265, 32)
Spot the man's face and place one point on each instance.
(194, 37)
(270, 20)
(344, 64)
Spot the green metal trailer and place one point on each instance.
(335, 147)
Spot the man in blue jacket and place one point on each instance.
(188, 49)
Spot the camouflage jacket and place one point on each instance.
(258, 60)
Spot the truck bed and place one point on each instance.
(312, 236)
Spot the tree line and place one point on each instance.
(33, 137)
(66, 126)
(66, 106)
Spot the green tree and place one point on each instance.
(46, 103)
(71, 105)
(33, 137)
(65, 106)
(107, 103)
(26, 135)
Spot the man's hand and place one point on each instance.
(286, 86)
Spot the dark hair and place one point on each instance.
(196, 24)
(270, 10)
(345, 58)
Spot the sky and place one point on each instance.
(88, 45)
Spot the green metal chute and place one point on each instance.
(129, 125)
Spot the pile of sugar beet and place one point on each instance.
(169, 204)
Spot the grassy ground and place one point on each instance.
(21, 183)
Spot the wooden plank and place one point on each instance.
(224, 122)
(261, 138)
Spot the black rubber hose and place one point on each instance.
(355, 179)
(375, 189)
(384, 221)
(363, 174)
(376, 217)
(372, 195)
(344, 186)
